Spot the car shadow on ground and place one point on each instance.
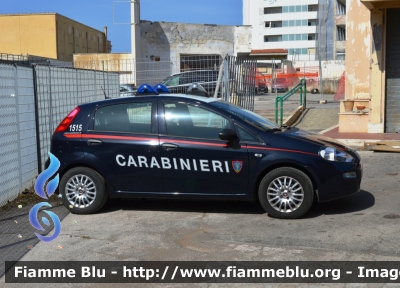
(195, 206)
(352, 204)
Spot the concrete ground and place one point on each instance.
(365, 226)
(316, 118)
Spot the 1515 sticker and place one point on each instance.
(75, 127)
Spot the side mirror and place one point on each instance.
(228, 135)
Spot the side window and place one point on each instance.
(184, 79)
(244, 135)
(131, 118)
(192, 121)
(173, 81)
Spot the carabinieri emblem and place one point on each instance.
(237, 165)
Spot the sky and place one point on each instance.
(115, 14)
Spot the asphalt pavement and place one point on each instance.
(365, 226)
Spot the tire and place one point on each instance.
(314, 91)
(295, 207)
(89, 201)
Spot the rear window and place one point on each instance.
(131, 117)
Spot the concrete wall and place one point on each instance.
(358, 50)
(122, 63)
(170, 39)
(74, 37)
(28, 34)
(49, 35)
(365, 68)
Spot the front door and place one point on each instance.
(194, 159)
(124, 139)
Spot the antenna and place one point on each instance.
(105, 95)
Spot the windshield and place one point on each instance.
(246, 115)
(280, 80)
(165, 80)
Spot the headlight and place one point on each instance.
(333, 154)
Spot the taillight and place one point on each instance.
(67, 120)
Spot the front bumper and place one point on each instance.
(338, 186)
(280, 89)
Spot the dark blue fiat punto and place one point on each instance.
(189, 147)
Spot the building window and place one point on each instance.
(267, 24)
(340, 34)
(340, 56)
(299, 51)
(340, 8)
(272, 10)
(300, 22)
(199, 62)
(292, 9)
(275, 38)
(311, 37)
(295, 37)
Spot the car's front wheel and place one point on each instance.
(83, 190)
(286, 193)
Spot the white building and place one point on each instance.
(283, 24)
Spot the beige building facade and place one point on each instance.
(372, 67)
(49, 35)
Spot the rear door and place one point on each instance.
(122, 139)
(194, 159)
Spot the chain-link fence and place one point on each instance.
(33, 101)
(325, 82)
(179, 73)
(239, 81)
(153, 70)
(18, 151)
(59, 90)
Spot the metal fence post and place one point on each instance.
(77, 87)
(301, 94)
(36, 101)
(226, 80)
(50, 102)
(277, 99)
(18, 128)
(305, 93)
(104, 80)
(108, 82)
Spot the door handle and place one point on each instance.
(92, 142)
(169, 146)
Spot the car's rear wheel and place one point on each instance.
(83, 190)
(286, 193)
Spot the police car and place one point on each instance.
(190, 147)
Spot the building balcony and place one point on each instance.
(340, 46)
(340, 20)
